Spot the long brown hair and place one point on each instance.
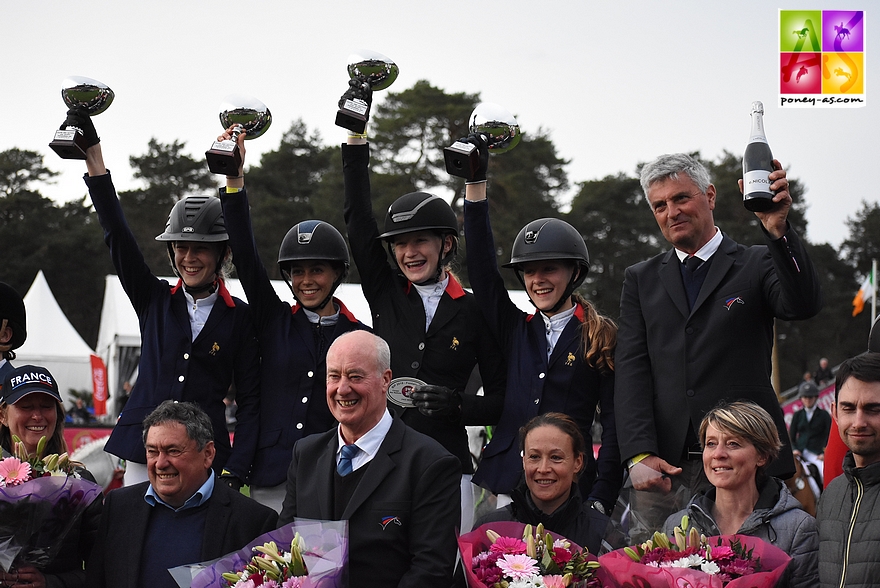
(598, 337)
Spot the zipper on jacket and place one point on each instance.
(852, 523)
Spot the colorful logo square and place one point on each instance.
(822, 58)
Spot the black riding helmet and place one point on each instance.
(197, 219)
(420, 211)
(547, 239)
(12, 310)
(313, 240)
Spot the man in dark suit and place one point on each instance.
(696, 324)
(181, 516)
(398, 489)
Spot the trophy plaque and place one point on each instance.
(247, 114)
(400, 391)
(497, 126)
(372, 71)
(82, 94)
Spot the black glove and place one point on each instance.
(479, 140)
(437, 401)
(358, 90)
(79, 120)
(231, 480)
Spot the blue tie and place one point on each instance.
(348, 453)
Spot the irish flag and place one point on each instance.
(864, 295)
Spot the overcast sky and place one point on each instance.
(614, 83)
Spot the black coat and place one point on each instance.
(456, 341)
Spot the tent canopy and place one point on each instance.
(53, 342)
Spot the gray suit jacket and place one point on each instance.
(233, 521)
(673, 364)
(402, 515)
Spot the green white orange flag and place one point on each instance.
(864, 295)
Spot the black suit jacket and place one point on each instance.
(673, 364)
(402, 515)
(812, 434)
(233, 521)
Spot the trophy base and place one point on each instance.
(69, 145)
(223, 160)
(462, 160)
(353, 121)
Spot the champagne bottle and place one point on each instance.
(757, 165)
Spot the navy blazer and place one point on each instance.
(675, 364)
(402, 515)
(456, 340)
(293, 401)
(536, 384)
(233, 520)
(172, 366)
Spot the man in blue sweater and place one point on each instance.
(180, 516)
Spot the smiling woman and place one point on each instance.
(739, 441)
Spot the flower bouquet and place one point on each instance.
(690, 559)
(303, 554)
(502, 554)
(41, 498)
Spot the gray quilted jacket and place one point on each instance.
(777, 519)
(849, 527)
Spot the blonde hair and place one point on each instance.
(748, 421)
(598, 337)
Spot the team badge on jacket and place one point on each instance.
(455, 343)
(570, 359)
(388, 520)
(731, 301)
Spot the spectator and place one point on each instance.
(823, 375)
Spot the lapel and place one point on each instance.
(670, 276)
(535, 326)
(219, 511)
(569, 334)
(179, 312)
(138, 516)
(446, 311)
(218, 311)
(303, 329)
(721, 262)
(324, 461)
(379, 468)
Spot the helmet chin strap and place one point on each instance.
(319, 307)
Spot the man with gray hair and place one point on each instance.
(397, 488)
(696, 327)
(181, 516)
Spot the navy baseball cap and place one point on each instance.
(26, 380)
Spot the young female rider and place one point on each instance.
(314, 260)
(434, 328)
(559, 359)
(196, 339)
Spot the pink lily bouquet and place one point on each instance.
(41, 497)
(692, 559)
(525, 557)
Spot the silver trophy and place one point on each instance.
(82, 94)
(247, 114)
(371, 71)
(497, 126)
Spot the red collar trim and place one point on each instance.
(578, 313)
(221, 291)
(453, 288)
(343, 310)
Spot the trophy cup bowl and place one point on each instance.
(497, 126)
(247, 114)
(84, 94)
(371, 69)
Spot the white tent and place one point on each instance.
(52, 341)
(119, 337)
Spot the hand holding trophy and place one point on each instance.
(84, 97)
(493, 130)
(247, 114)
(369, 71)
